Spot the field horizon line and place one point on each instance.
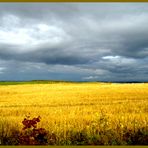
(15, 82)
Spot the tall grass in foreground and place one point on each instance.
(77, 114)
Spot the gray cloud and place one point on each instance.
(74, 41)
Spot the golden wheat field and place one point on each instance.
(68, 108)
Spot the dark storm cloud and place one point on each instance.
(74, 41)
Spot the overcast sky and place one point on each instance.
(74, 41)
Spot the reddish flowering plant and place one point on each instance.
(30, 123)
(31, 135)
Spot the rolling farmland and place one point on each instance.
(77, 113)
